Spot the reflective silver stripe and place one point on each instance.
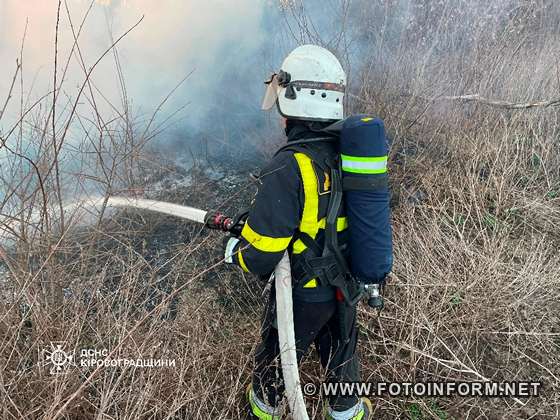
(350, 413)
(364, 166)
(262, 409)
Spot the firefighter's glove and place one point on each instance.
(229, 246)
(238, 222)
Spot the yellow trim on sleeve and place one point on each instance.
(242, 262)
(264, 243)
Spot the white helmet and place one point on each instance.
(309, 86)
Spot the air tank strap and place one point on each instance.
(365, 183)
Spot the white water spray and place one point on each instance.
(183, 212)
(79, 211)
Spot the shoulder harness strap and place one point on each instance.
(321, 160)
(322, 260)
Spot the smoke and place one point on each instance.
(226, 48)
(176, 38)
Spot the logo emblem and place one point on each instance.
(57, 358)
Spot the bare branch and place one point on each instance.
(499, 103)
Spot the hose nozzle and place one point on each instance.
(219, 221)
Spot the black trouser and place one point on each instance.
(318, 323)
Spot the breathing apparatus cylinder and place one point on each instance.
(364, 149)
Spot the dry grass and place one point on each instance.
(476, 208)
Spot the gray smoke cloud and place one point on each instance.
(174, 39)
(227, 47)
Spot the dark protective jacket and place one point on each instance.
(292, 197)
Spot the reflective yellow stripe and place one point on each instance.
(310, 284)
(364, 164)
(349, 158)
(341, 223)
(299, 247)
(309, 219)
(242, 261)
(257, 411)
(311, 205)
(264, 243)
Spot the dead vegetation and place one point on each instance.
(476, 209)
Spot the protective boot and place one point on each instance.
(259, 410)
(364, 410)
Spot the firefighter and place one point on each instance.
(289, 213)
